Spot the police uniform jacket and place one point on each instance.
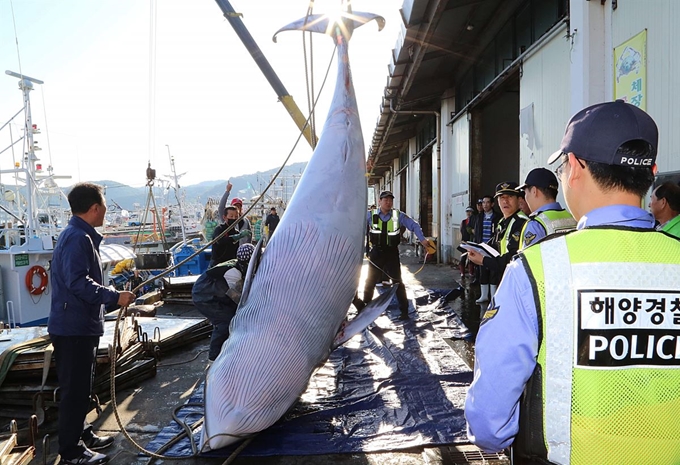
(404, 220)
(534, 230)
(515, 223)
(507, 344)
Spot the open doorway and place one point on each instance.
(425, 219)
(494, 139)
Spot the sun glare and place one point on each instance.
(333, 9)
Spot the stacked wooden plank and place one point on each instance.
(13, 453)
(29, 387)
(26, 387)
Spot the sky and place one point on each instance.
(106, 110)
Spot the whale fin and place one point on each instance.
(325, 25)
(367, 316)
(250, 273)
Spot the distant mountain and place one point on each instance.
(246, 186)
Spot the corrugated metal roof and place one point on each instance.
(440, 41)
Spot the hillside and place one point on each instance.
(246, 186)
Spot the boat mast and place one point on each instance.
(179, 202)
(29, 159)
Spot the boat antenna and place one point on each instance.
(47, 131)
(16, 37)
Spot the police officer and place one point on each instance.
(577, 357)
(384, 234)
(548, 216)
(506, 239)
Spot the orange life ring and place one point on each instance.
(36, 270)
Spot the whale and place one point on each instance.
(298, 290)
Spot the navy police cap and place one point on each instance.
(596, 133)
(384, 194)
(507, 187)
(540, 177)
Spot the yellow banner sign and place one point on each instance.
(630, 71)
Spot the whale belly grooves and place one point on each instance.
(307, 276)
(285, 330)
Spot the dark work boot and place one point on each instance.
(98, 442)
(358, 303)
(88, 457)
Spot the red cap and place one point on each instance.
(236, 200)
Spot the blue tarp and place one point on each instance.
(396, 386)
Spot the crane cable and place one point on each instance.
(309, 73)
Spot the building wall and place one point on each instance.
(544, 103)
(394, 186)
(660, 18)
(455, 184)
(436, 191)
(413, 184)
(571, 69)
(448, 180)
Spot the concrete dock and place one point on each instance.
(146, 409)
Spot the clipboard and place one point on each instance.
(484, 249)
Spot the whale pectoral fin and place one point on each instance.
(372, 311)
(252, 268)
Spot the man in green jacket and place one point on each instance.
(665, 207)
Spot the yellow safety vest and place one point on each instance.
(553, 221)
(392, 239)
(606, 388)
(508, 231)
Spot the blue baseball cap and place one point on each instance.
(540, 177)
(596, 133)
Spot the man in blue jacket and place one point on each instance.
(76, 322)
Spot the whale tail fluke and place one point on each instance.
(325, 24)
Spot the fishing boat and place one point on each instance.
(28, 225)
